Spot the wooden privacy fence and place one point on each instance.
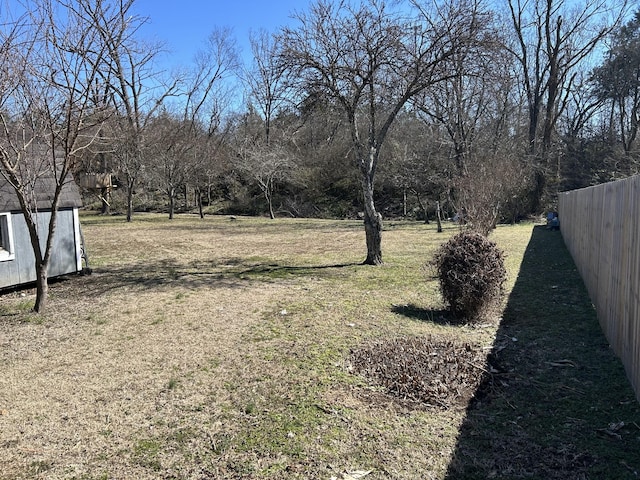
(601, 228)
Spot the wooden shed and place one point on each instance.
(17, 261)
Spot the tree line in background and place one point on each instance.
(360, 108)
(485, 110)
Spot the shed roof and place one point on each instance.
(44, 189)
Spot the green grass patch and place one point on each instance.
(146, 453)
(22, 307)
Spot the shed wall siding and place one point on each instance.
(66, 248)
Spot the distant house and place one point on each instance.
(17, 261)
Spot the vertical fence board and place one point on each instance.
(634, 281)
(601, 228)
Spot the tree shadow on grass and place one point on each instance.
(557, 404)
(221, 273)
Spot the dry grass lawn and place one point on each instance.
(217, 349)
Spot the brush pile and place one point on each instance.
(433, 371)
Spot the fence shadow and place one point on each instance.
(557, 403)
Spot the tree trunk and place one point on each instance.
(404, 202)
(172, 203)
(268, 197)
(42, 288)
(41, 259)
(129, 200)
(540, 184)
(438, 217)
(423, 207)
(372, 224)
(199, 200)
(41, 262)
(105, 195)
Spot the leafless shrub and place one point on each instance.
(471, 272)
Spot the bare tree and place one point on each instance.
(263, 155)
(168, 151)
(208, 88)
(617, 82)
(266, 79)
(177, 137)
(208, 98)
(372, 61)
(322, 144)
(470, 103)
(136, 91)
(420, 162)
(267, 166)
(552, 40)
(51, 59)
(476, 109)
(490, 189)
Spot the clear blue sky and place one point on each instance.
(184, 25)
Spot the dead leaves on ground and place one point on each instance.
(438, 372)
